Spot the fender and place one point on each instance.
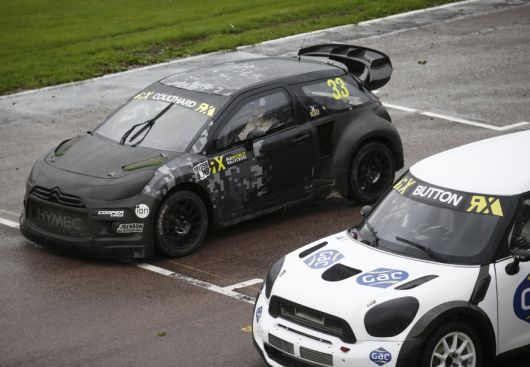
(367, 127)
(185, 169)
(410, 353)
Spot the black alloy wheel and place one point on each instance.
(372, 172)
(181, 224)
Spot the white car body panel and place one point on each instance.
(501, 300)
(491, 166)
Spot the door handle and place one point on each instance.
(300, 138)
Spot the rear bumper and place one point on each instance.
(91, 230)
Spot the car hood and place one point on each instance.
(94, 156)
(379, 273)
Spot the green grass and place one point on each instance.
(50, 42)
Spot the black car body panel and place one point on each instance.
(91, 191)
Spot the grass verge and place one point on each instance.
(45, 43)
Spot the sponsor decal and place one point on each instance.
(141, 211)
(380, 356)
(314, 111)
(421, 191)
(382, 277)
(259, 310)
(236, 158)
(174, 99)
(130, 228)
(111, 213)
(217, 164)
(323, 259)
(59, 220)
(203, 108)
(521, 300)
(485, 205)
(443, 196)
(206, 109)
(143, 95)
(404, 184)
(202, 170)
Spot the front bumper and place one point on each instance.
(283, 343)
(109, 229)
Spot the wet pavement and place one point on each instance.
(58, 309)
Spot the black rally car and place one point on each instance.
(214, 146)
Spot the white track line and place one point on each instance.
(9, 223)
(227, 291)
(198, 283)
(401, 108)
(456, 119)
(244, 284)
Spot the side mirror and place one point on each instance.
(520, 255)
(366, 210)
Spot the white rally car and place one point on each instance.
(436, 275)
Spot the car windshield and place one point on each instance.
(421, 220)
(160, 120)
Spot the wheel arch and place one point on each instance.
(196, 189)
(343, 163)
(452, 311)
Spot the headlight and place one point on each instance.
(273, 274)
(390, 318)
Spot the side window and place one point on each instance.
(257, 117)
(332, 95)
(519, 235)
(522, 223)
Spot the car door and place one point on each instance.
(514, 290)
(271, 153)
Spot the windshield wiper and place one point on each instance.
(147, 125)
(375, 239)
(430, 253)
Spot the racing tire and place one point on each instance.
(454, 344)
(372, 171)
(181, 224)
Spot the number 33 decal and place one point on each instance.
(337, 83)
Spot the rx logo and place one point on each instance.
(380, 356)
(323, 259)
(206, 109)
(404, 184)
(485, 205)
(217, 165)
(382, 278)
(521, 300)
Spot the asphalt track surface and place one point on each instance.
(466, 63)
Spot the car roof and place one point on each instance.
(496, 166)
(227, 78)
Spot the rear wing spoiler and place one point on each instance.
(373, 68)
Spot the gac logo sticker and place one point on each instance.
(323, 259)
(382, 278)
(259, 310)
(380, 356)
(521, 300)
